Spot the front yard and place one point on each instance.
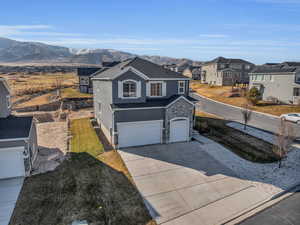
(90, 185)
(218, 93)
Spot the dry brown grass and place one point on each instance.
(29, 84)
(217, 93)
(40, 100)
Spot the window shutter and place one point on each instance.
(138, 89)
(164, 89)
(120, 89)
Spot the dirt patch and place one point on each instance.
(52, 142)
(81, 188)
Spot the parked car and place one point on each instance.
(293, 117)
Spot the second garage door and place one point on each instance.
(11, 164)
(139, 133)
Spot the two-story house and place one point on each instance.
(193, 72)
(225, 71)
(84, 75)
(138, 103)
(18, 139)
(279, 82)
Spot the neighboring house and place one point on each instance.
(225, 72)
(277, 83)
(110, 64)
(85, 82)
(18, 139)
(193, 72)
(138, 102)
(173, 67)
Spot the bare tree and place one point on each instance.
(284, 140)
(247, 113)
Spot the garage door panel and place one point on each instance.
(11, 164)
(179, 130)
(139, 133)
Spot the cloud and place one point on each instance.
(213, 35)
(32, 30)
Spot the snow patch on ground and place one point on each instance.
(267, 177)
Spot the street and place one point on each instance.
(286, 212)
(259, 120)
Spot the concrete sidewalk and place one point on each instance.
(182, 184)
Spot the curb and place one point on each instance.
(263, 205)
(233, 106)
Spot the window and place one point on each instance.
(247, 67)
(296, 91)
(271, 78)
(8, 101)
(181, 87)
(156, 89)
(298, 78)
(129, 89)
(99, 107)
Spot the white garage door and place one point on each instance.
(179, 130)
(11, 164)
(139, 133)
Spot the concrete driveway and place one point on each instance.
(183, 185)
(9, 192)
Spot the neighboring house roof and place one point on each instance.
(227, 61)
(151, 103)
(4, 84)
(87, 71)
(150, 69)
(15, 127)
(273, 69)
(292, 64)
(110, 64)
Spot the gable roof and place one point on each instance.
(87, 71)
(274, 69)
(4, 84)
(15, 127)
(152, 103)
(143, 66)
(228, 60)
(293, 64)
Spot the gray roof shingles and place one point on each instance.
(228, 60)
(87, 71)
(15, 127)
(273, 69)
(151, 103)
(146, 67)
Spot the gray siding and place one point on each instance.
(281, 87)
(139, 115)
(4, 110)
(103, 95)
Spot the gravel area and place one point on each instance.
(267, 177)
(268, 137)
(52, 142)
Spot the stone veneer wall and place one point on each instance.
(181, 108)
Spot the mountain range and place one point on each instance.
(12, 51)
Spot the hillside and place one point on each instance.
(12, 51)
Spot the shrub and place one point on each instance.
(253, 96)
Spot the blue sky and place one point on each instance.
(257, 30)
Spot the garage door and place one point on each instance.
(11, 164)
(139, 133)
(179, 130)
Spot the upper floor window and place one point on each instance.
(296, 91)
(298, 78)
(247, 67)
(129, 89)
(181, 87)
(156, 89)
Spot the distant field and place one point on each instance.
(29, 84)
